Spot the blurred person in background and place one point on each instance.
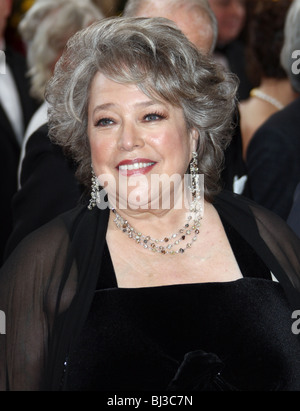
(193, 17)
(46, 179)
(273, 89)
(16, 109)
(230, 51)
(12, 35)
(45, 29)
(274, 151)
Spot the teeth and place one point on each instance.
(135, 166)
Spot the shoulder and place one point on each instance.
(70, 233)
(38, 120)
(237, 206)
(279, 135)
(45, 242)
(34, 142)
(287, 119)
(269, 235)
(40, 155)
(33, 154)
(259, 226)
(40, 137)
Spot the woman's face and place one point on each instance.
(231, 15)
(134, 139)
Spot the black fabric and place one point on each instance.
(294, 216)
(190, 337)
(48, 187)
(187, 337)
(250, 264)
(47, 287)
(9, 146)
(234, 165)
(10, 152)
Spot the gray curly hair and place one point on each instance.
(153, 54)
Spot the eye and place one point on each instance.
(104, 122)
(154, 117)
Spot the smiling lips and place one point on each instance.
(136, 166)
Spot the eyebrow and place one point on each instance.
(142, 104)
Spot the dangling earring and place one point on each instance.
(195, 184)
(95, 190)
(195, 187)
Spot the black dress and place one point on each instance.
(69, 327)
(209, 336)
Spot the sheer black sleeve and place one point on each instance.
(270, 236)
(46, 287)
(29, 283)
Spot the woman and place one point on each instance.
(273, 89)
(273, 153)
(107, 298)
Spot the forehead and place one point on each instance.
(102, 84)
(106, 91)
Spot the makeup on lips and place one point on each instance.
(135, 166)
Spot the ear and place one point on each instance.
(194, 139)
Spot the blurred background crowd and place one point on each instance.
(20, 7)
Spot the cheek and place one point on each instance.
(177, 150)
(100, 155)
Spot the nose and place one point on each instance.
(130, 138)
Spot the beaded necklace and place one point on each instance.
(165, 245)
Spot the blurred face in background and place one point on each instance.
(5, 10)
(191, 21)
(231, 15)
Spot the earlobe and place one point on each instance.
(194, 139)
